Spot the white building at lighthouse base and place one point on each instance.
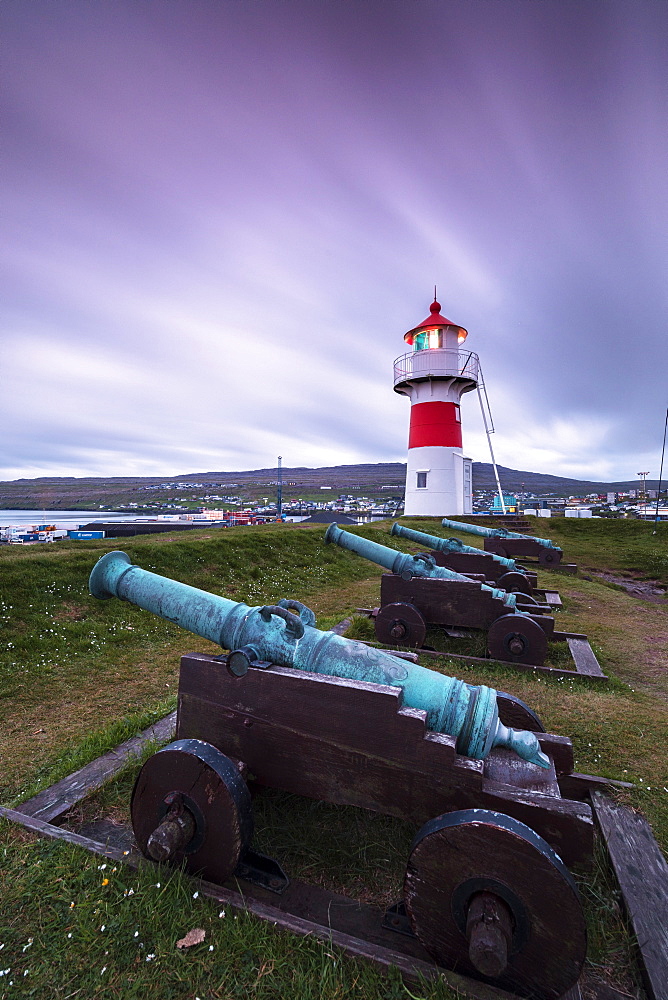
(447, 477)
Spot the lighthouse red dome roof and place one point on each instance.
(434, 318)
(433, 321)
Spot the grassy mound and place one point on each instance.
(78, 675)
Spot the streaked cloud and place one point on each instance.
(219, 220)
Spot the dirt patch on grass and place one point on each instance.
(71, 612)
(644, 590)
(629, 636)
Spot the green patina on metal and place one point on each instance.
(450, 545)
(273, 633)
(407, 566)
(476, 529)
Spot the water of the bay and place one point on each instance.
(61, 518)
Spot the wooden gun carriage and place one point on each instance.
(418, 593)
(486, 891)
(512, 544)
(450, 552)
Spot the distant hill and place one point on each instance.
(542, 484)
(90, 493)
(394, 474)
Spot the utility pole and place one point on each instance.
(279, 491)
(658, 492)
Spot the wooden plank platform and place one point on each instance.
(570, 568)
(584, 658)
(553, 598)
(585, 663)
(642, 873)
(335, 919)
(304, 909)
(56, 800)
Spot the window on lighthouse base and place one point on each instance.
(422, 480)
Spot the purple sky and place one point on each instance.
(221, 216)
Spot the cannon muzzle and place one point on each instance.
(273, 633)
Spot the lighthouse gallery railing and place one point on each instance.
(436, 362)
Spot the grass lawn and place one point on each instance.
(77, 676)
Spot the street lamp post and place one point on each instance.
(643, 492)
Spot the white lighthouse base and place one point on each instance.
(446, 475)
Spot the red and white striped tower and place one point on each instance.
(434, 376)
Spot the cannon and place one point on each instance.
(487, 890)
(450, 552)
(417, 593)
(275, 634)
(511, 543)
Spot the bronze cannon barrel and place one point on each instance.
(273, 633)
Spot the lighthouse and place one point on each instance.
(434, 375)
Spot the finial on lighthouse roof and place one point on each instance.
(434, 321)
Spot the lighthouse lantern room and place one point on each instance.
(435, 375)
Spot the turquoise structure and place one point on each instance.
(476, 529)
(450, 545)
(273, 633)
(509, 503)
(408, 566)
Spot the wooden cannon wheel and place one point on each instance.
(514, 583)
(517, 638)
(190, 805)
(488, 897)
(516, 713)
(401, 623)
(549, 557)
